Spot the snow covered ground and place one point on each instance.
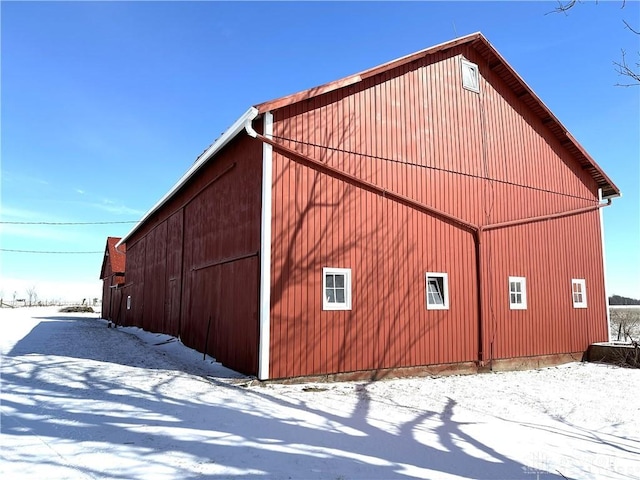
(80, 400)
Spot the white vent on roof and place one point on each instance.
(470, 76)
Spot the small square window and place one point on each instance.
(437, 291)
(470, 76)
(336, 289)
(579, 292)
(517, 293)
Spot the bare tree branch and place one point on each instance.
(33, 295)
(563, 7)
(624, 69)
(629, 27)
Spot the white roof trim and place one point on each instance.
(225, 138)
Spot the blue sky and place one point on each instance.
(105, 105)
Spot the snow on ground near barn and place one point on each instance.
(80, 400)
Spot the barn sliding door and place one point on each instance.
(224, 309)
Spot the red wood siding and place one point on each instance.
(415, 131)
(112, 275)
(107, 281)
(106, 298)
(175, 235)
(112, 304)
(197, 259)
(135, 283)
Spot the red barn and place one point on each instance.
(430, 213)
(112, 275)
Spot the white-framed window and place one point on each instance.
(336, 288)
(437, 291)
(517, 293)
(579, 292)
(128, 302)
(470, 75)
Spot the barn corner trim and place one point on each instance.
(604, 266)
(264, 329)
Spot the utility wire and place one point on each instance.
(47, 252)
(67, 223)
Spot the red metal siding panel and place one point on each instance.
(415, 131)
(373, 237)
(550, 255)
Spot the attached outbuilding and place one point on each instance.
(113, 279)
(427, 214)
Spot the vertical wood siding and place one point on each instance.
(112, 304)
(175, 233)
(135, 286)
(111, 299)
(106, 298)
(415, 131)
(193, 270)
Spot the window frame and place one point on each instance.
(444, 293)
(333, 306)
(583, 292)
(473, 68)
(523, 293)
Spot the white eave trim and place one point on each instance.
(617, 195)
(223, 140)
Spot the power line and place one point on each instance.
(47, 252)
(68, 223)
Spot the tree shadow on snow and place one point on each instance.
(221, 427)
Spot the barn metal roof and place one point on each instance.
(496, 63)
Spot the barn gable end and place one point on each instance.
(483, 155)
(431, 188)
